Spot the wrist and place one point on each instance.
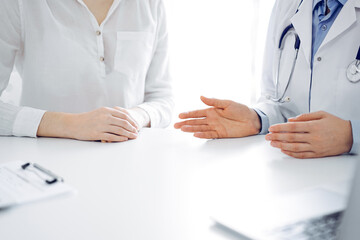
(256, 122)
(55, 124)
(349, 139)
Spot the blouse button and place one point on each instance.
(98, 33)
(102, 59)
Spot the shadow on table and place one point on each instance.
(4, 209)
(227, 232)
(238, 144)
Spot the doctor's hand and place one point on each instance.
(105, 124)
(225, 119)
(312, 135)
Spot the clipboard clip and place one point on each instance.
(55, 178)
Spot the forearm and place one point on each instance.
(8, 115)
(54, 124)
(19, 121)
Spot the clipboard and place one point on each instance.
(22, 182)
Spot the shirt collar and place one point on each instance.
(316, 2)
(342, 2)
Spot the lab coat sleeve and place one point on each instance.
(355, 124)
(14, 120)
(158, 92)
(268, 107)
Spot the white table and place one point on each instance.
(162, 186)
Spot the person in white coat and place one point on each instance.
(308, 106)
(91, 70)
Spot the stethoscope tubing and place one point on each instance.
(284, 35)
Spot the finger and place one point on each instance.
(121, 132)
(206, 135)
(308, 117)
(108, 137)
(123, 123)
(194, 129)
(213, 102)
(123, 114)
(190, 123)
(193, 114)
(300, 155)
(128, 117)
(300, 127)
(288, 137)
(293, 147)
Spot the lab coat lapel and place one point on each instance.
(345, 19)
(302, 22)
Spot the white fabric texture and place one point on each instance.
(68, 63)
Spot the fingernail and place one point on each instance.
(268, 137)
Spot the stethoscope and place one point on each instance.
(352, 72)
(287, 32)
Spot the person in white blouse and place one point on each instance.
(91, 69)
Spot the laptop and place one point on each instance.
(314, 214)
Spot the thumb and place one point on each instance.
(308, 117)
(213, 102)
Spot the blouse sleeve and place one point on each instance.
(158, 92)
(14, 120)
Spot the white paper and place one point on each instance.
(18, 186)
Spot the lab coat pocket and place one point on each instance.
(133, 53)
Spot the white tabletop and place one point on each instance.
(164, 185)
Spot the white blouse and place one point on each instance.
(68, 63)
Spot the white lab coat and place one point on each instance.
(330, 89)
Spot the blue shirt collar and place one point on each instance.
(342, 2)
(316, 2)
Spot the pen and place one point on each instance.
(58, 178)
(44, 170)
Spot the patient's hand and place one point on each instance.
(105, 124)
(312, 135)
(225, 119)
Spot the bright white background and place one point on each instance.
(216, 50)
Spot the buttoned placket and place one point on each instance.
(101, 50)
(98, 33)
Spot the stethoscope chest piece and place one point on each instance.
(353, 72)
